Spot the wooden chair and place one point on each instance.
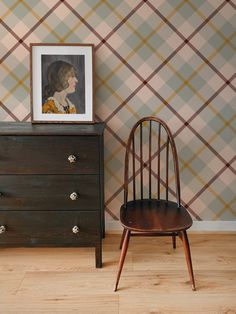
(146, 211)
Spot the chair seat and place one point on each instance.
(151, 215)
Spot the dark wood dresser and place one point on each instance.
(51, 185)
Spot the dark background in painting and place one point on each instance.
(77, 61)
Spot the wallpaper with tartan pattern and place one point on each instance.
(171, 58)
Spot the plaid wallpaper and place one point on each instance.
(170, 58)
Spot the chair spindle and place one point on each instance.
(158, 161)
(141, 159)
(167, 168)
(134, 172)
(150, 159)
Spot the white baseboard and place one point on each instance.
(221, 226)
(214, 226)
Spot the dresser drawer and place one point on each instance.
(48, 154)
(49, 192)
(47, 228)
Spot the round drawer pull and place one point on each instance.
(75, 229)
(74, 196)
(2, 229)
(72, 159)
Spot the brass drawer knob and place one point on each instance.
(74, 196)
(72, 159)
(75, 229)
(2, 229)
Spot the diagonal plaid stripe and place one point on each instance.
(173, 59)
(187, 40)
(8, 111)
(211, 181)
(21, 40)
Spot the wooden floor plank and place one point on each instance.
(100, 304)
(154, 279)
(177, 303)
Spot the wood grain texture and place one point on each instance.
(151, 215)
(49, 192)
(64, 280)
(41, 168)
(27, 128)
(45, 228)
(48, 154)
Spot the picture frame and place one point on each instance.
(62, 83)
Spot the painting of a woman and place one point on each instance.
(61, 81)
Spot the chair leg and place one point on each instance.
(183, 236)
(122, 255)
(174, 241)
(122, 238)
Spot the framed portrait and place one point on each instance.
(62, 83)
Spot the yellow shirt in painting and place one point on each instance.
(52, 105)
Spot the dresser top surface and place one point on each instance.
(26, 128)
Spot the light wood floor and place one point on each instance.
(154, 279)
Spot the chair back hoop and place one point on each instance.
(131, 157)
